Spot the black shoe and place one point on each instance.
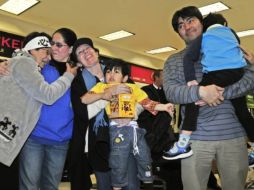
(216, 187)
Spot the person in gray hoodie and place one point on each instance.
(24, 91)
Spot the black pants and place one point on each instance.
(9, 176)
(222, 78)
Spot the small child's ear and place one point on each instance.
(125, 78)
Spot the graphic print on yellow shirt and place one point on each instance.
(122, 105)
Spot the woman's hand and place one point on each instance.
(72, 70)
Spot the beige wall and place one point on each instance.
(13, 25)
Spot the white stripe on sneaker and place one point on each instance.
(180, 156)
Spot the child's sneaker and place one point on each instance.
(177, 152)
(251, 159)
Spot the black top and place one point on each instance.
(98, 145)
(159, 134)
(60, 66)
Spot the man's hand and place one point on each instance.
(211, 94)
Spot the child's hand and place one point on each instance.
(192, 83)
(4, 68)
(107, 95)
(170, 108)
(119, 89)
(200, 103)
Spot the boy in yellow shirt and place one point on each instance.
(125, 136)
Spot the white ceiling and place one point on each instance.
(150, 20)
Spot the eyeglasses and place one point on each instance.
(81, 51)
(58, 44)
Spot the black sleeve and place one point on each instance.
(191, 56)
(77, 90)
(149, 92)
(79, 167)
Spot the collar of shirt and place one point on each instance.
(156, 87)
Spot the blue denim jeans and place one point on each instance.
(104, 178)
(41, 166)
(122, 142)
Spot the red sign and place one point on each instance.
(8, 43)
(141, 74)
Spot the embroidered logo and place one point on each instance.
(43, 42)
(8, 129)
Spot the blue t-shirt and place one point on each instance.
(56, 121)
(220, 50)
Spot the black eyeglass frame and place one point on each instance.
(58, 44)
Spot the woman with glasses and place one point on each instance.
(43, 157)
(97, 155)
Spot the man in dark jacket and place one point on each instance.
(160, 135)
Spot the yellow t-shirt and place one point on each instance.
(122, 105)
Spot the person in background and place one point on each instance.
(25, 84)
(160, 135)
(219, 134)
(44, 153)
(92, 154)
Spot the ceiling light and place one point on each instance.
(116, 35)
(160, 50)
(18, 6)
(212, 8)
(245, 33)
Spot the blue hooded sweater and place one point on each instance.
(56, 121)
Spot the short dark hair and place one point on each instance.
(214, 18)
(190, 11)
(33, 35)
(121, 64)
(156, 73)
(118, 63)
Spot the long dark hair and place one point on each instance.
(68, 35)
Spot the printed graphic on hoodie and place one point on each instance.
(8, 129)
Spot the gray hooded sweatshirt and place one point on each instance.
(22, 94)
